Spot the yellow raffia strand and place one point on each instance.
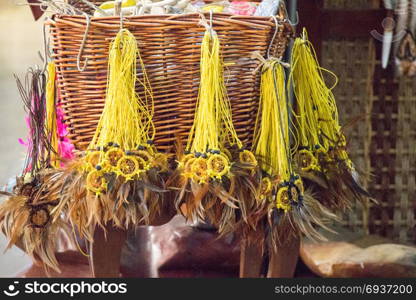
(51, 126)
(272, 138)
(125, 125)
(317, 115)
(206, 127)
(125, 119)
(213, 130)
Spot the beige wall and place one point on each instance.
(20, 39)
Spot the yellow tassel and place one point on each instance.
(270, 136)
(206, 126)
(123, 141)
(213, 130)
(320, 134)
(50, 122)
(272, 139)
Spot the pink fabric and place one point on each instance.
(243, 8)
(65, 148)
(28, 140)
(28, 143)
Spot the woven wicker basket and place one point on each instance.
(170, 48)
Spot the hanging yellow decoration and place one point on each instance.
(121, 177)
(272, 140)
(320, 135)
(50, 121)
(322, 145)
(215, 172)
(285, 208)
(213, 130)
(125, 130)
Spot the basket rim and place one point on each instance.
(173, 19)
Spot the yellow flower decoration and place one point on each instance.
(218, 166)
(113, 155)
(96, 182)
(199, 170)
(187, 172)
(266, 187)
(283, 199)
(306, 160)
(146, 156)
(248, 157)
(130, 166)
(184, 160)
(93, 158)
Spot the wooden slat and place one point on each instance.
(351, 23)
(310, 17)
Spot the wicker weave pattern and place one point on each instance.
(170, 49)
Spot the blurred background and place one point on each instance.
(20, 40)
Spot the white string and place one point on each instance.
(263, 61)
(204, 22)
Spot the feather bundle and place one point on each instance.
(27, 217)
(215, 170)
(33, 94)
(286, 209)
(120, 179)
(322, 151)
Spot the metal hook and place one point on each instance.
(81, 49)
(297, 20)
(293, 24)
